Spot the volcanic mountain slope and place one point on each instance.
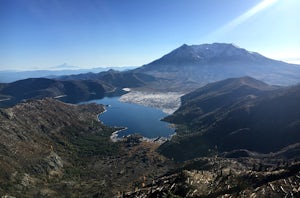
(52, 149)
(192, 65)
(240, 113)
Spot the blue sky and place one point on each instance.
(93, 33)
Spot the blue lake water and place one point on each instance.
(136, 118)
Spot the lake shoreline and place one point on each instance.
(159, 140)
(128, 119)
(115, 136)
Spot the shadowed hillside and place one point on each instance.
(240, 113)
(69, 91)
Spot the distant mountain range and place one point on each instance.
(237, 113)
(7, 76)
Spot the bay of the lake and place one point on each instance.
(136, 118)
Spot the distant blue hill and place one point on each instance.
(8, 76)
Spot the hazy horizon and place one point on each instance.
(58, 68)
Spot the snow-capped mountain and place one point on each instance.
(212, 62)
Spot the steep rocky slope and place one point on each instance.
(52, 149)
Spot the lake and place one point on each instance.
(136, 118)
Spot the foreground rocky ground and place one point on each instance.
(52, 149)
(223, 177)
